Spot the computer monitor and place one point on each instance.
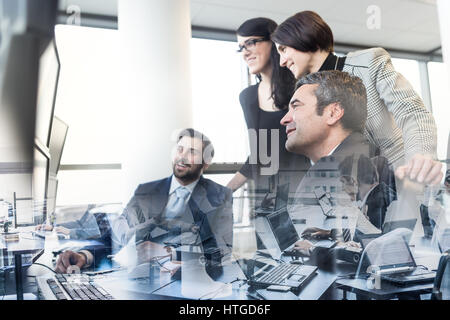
(52, 192)
(25, 37)
(40, 182)
(49, 67)
(56, 145)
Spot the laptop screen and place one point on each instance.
(390, 254)
(282, 197)
(283, 229)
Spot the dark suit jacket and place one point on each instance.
(291, 166)
(209, 208)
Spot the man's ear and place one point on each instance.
(205, 166)
(334, 113)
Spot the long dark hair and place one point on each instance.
(305, 31)
(282, 81)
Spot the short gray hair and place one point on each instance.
(343, 88)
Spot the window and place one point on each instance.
(218, 76)
(410, 70)
(88, 101)
(88, 90)
(440, 97)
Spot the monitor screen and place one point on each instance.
(47, 84)
(52, 190)
(56, 145)
(283, 229)
(39, 182)
(393, 252)
(281, 200)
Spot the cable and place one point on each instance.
(423, 267)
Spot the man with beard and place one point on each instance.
(182, 204)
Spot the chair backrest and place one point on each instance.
(441, 288)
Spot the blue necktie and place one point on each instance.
(177, 207)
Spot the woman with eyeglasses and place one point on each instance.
(264, 104)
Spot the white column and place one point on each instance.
(155, 40)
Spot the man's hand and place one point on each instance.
(148, 250)
(62, 230)
(421, 168)
(69, 258)
(44, 227)
(303, 246)
(315, 233)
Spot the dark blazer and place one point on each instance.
(209, 208)
(340, 163)
(291, 166)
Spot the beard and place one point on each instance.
(192, 173)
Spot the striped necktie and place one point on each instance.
(177, 207)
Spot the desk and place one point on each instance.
(428, 258)
(25, 245)
(32, 244)
(387, 291)
(313, 290)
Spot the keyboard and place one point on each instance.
(415, 276)
(277, 275)
(76, 287)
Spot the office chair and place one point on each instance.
(441, 288)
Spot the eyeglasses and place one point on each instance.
(250, 44)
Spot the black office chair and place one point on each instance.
(441, 288)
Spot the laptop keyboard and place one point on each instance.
(78, 288)
(416, 272)
(278, 274)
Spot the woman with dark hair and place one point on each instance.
(398, 122)
(264, 104)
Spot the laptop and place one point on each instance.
(324, 200)
(281, 201)
(397, 264)
(366, 238)
(262, 275)
(286, 235)
(392, 225)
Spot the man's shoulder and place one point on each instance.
(152, 186)
(355, 143)
(213, 187)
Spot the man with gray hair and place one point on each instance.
(325, 122)
(327, 108)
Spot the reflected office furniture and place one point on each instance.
(441, 288)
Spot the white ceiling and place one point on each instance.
(410, 25)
